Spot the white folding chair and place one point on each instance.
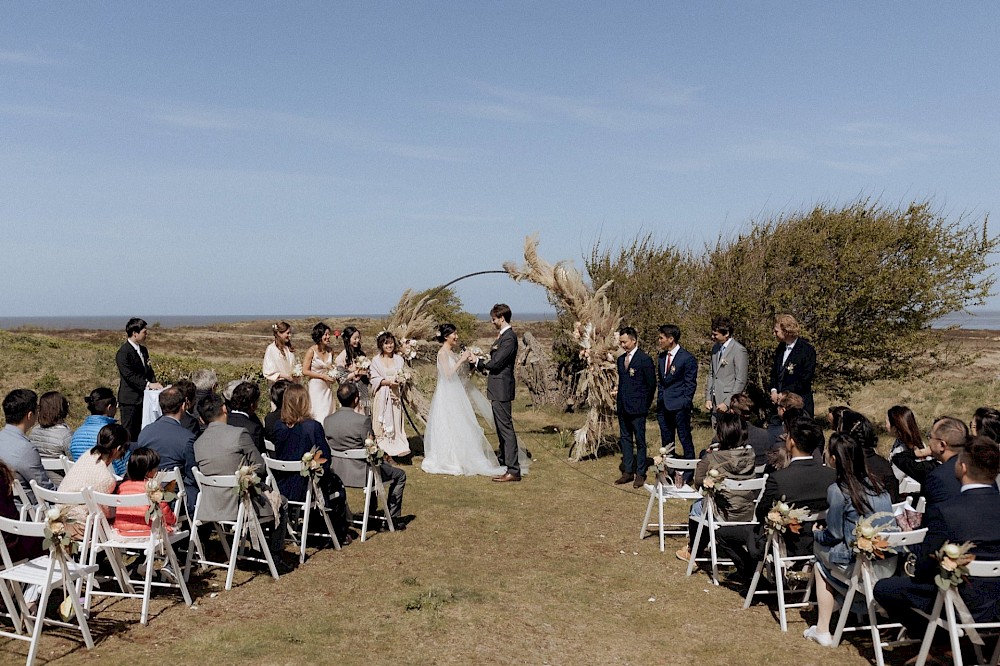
(67, 463)
(781, 564)
(908, 486)
(180, 503)
(710, 521)
(862, 579)
(48, 572)
(758, 470)
(373, 484)
(25, 507)
(662, 490)
(54, 465)
(245, 522)
(956, 628)
(313, 500)
(269, 446)
(48, 499)
(109, 540)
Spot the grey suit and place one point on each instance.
(220, 451)
(23, 459)
(727, 372)
(500, 391)
(346, 430)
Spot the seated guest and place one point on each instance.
(296, 434)
(221, 450)
(776, 431)
(172, 442)
(19, 547)
(346, 429)
(947, 439)
(143, 464)
(861, 431)
(102, 405)
(803, 484)
(742, 405)
(835, 415)
(94, 468)
(277, 394)
(242, 406)
(855, 495)
(733, 460)
(973, 515)
(205, 382)
(908, 454)
(20, 409)
(189, 419)
(51, 437)
(986, 422)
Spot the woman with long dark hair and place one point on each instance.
(909, 456)
(352, 366)
(854, 495)
(317, 366)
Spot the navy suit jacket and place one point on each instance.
(970, 516)
(677, 386)
(175, 444)
(636, 385)
(803, 483)
(796, 374)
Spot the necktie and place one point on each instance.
(628, 360)
(666, 368)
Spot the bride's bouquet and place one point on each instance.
(478, 354)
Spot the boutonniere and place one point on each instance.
(494, 347)
(723, 363)
(631, 372)
(790, 368)
(673, 369)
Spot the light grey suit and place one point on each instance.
(220, 451)
(727, 372)
(346, 430)
(22, 457)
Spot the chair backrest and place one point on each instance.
(282, 465)
(47, 498)
(747, 484)
(908, 485)
(681, 463)
(22, 498)
(218, 481)
(269, 445)
(25, 528)
(899, 539)
(67, 463)
(54, 465)
(984, 569)
(116, 501)
(759, 469)
(351, 454)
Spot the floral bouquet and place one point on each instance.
(402, 377)
(660, 463)
(156, 494)
(57, 536)
(362, 363)
(478, 354)
(713, 481)
(868, 541)
(247, 480)
(784, 517)
(407, 349)
(953, 561)
(297, 370)
(312, 463)
(375, 454)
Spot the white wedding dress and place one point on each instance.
(454, 442)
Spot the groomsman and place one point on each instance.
(636, 384)
(677, 380)
(136, 375)
(794, 363)
(728, 366)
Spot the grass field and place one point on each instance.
(547, 571)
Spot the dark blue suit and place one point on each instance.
(675, 398)
(795, 375)
(175, 445)
(941, 484)
(636, 386)
(973, 515)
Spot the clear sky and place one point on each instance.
(318, 158)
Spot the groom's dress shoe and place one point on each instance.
(506, 478)
(624, 478)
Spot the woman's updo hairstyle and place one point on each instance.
(444, 330)
(99, 399)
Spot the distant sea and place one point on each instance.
(116, 323)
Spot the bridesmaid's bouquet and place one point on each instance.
(362, 363)
(403, 377)
(407, 349)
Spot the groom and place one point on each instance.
(500, 390)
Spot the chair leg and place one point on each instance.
(753, 584)
(644, 530)
(43, 601)
(305, 525)
(235, 550)
(845, 611)
(329, 525)
(932, 624)
(9, 603)
(368, 497)
(181, 581)
(147, 587)
(696, 545)
(255, 526)
(954, 632)
(81, 616)
(661, 527)
(779, 584)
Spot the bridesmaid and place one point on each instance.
(347, 365)
(279, 358)
(316, 365)
(387, 408)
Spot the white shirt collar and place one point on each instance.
(135, 346)
(800, 458)
(970, 486)
(503, 330)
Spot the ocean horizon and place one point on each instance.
(974, 320)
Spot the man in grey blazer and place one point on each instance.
(728, 366)
(346, 429)
(20, 409)
(500, 390)
(221, 450)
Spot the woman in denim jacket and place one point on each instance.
(854, 495)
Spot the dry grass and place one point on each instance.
(550, 570)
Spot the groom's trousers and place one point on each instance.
(504, 420)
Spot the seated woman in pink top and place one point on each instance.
(143, 464)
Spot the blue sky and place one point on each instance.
(318, 158)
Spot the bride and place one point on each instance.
(454, 442)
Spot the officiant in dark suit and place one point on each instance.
(136, 374)
(636, 388)
(500, 390)
(677, 380)
(794, 363)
